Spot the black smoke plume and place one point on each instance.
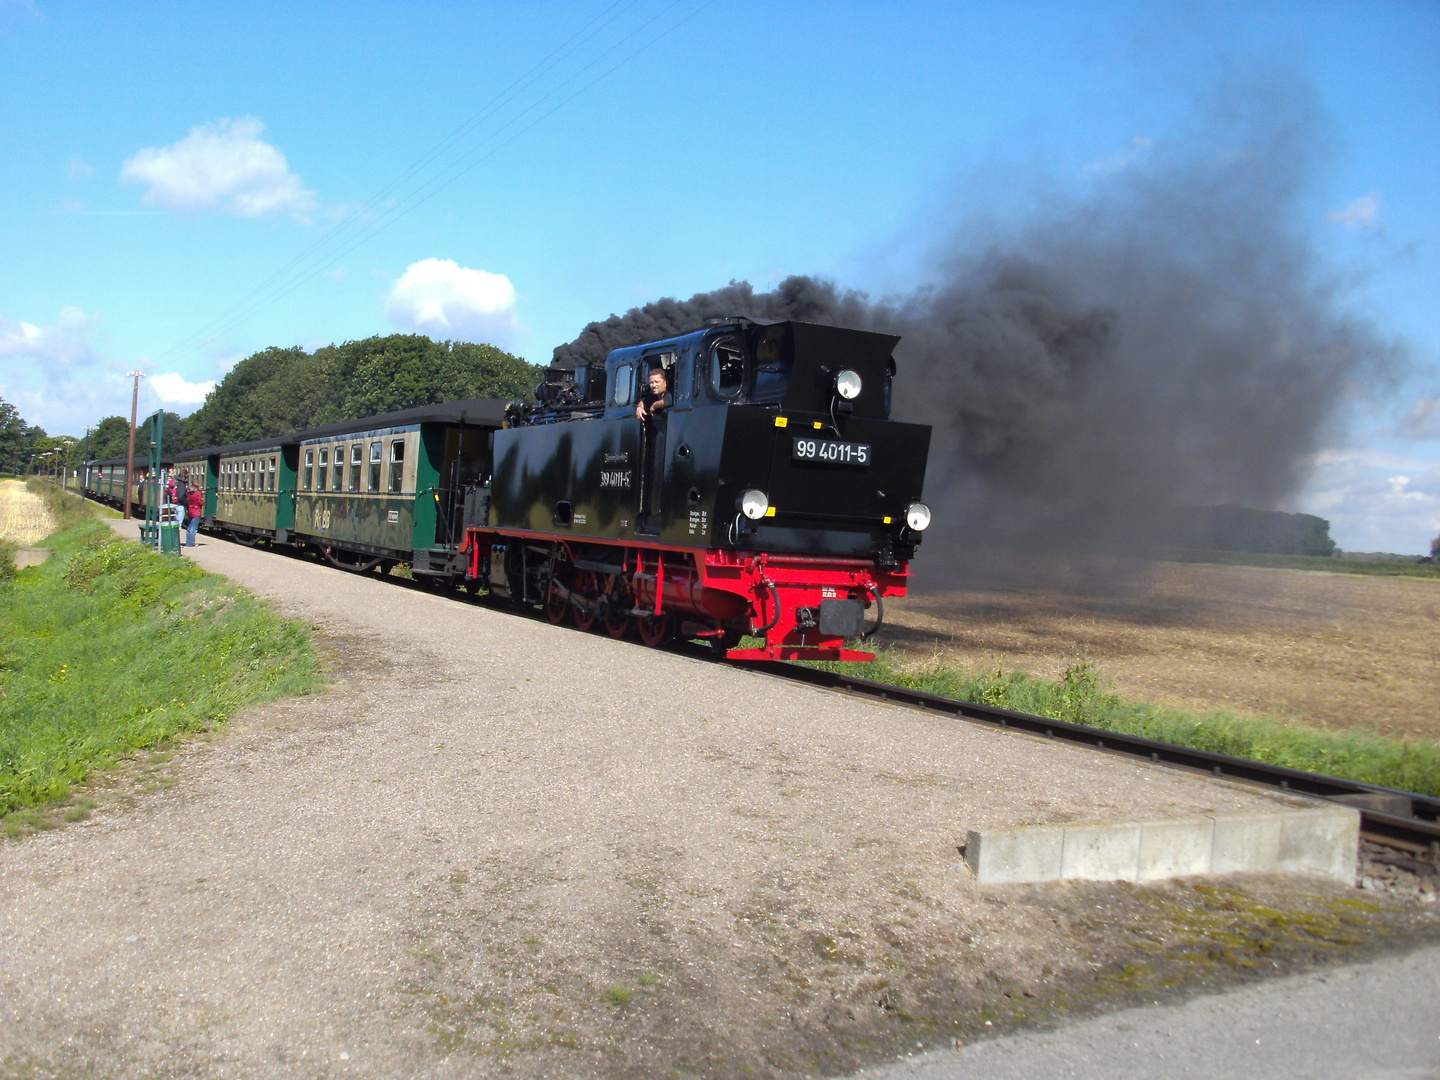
(1172, 339)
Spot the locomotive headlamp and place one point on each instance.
(847, 384)
(754, 503)
(917, 516)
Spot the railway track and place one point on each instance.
(1395, 819)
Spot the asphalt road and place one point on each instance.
(1376, 1021)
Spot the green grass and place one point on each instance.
(108, 649)
(1080, 697)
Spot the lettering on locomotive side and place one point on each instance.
(615, 478)
(622, 458)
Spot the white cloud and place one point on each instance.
(1136, 149)
(1361, 213)
(59, 376)
(63, 345)
(1376, 500)
(221, 167)
(1423, 420)
(439, 298)
(178, 394)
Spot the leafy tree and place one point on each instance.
(12, 437)
(109, 438)
(277, 391)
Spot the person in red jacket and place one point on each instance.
(194, 509)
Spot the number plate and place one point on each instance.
(831, 452)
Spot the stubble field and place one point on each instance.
(1328, 650)
(23, 517)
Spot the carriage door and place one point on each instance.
(463, 467)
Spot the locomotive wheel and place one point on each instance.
(654, 629)
(555, 607)
(617, 613)
(586, 589)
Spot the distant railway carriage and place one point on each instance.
(104, 481)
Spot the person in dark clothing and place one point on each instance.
(656, 397)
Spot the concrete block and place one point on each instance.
(1246, 842)
(1325, 841)
(1015, 855)
(31, 556)
(1318, 839)
(1175, 847)
(1105, 852)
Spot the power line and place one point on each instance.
(365, 222)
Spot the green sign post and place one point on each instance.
(160, 528)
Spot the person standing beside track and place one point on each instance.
(194, 508)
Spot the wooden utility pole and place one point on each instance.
(130, 453)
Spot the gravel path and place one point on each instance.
(496, 847)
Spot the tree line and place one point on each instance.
(276, 391)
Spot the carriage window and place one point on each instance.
(309, 465)
(727, 370)
(322, 474)
(375, 453)
(339, 483)
(272, 474)
(357, 453)
(397, 464)
(624, 380)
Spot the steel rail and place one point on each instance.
(1394, 818)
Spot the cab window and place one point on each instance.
(774, 361)
(624, 385)
(726, 377)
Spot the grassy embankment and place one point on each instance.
(109, 649)
(1080, 698)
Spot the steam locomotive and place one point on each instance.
(773, 497)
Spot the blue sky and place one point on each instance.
(182, 185)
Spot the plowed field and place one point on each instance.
(1330, 650)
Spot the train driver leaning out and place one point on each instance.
(656, 397)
